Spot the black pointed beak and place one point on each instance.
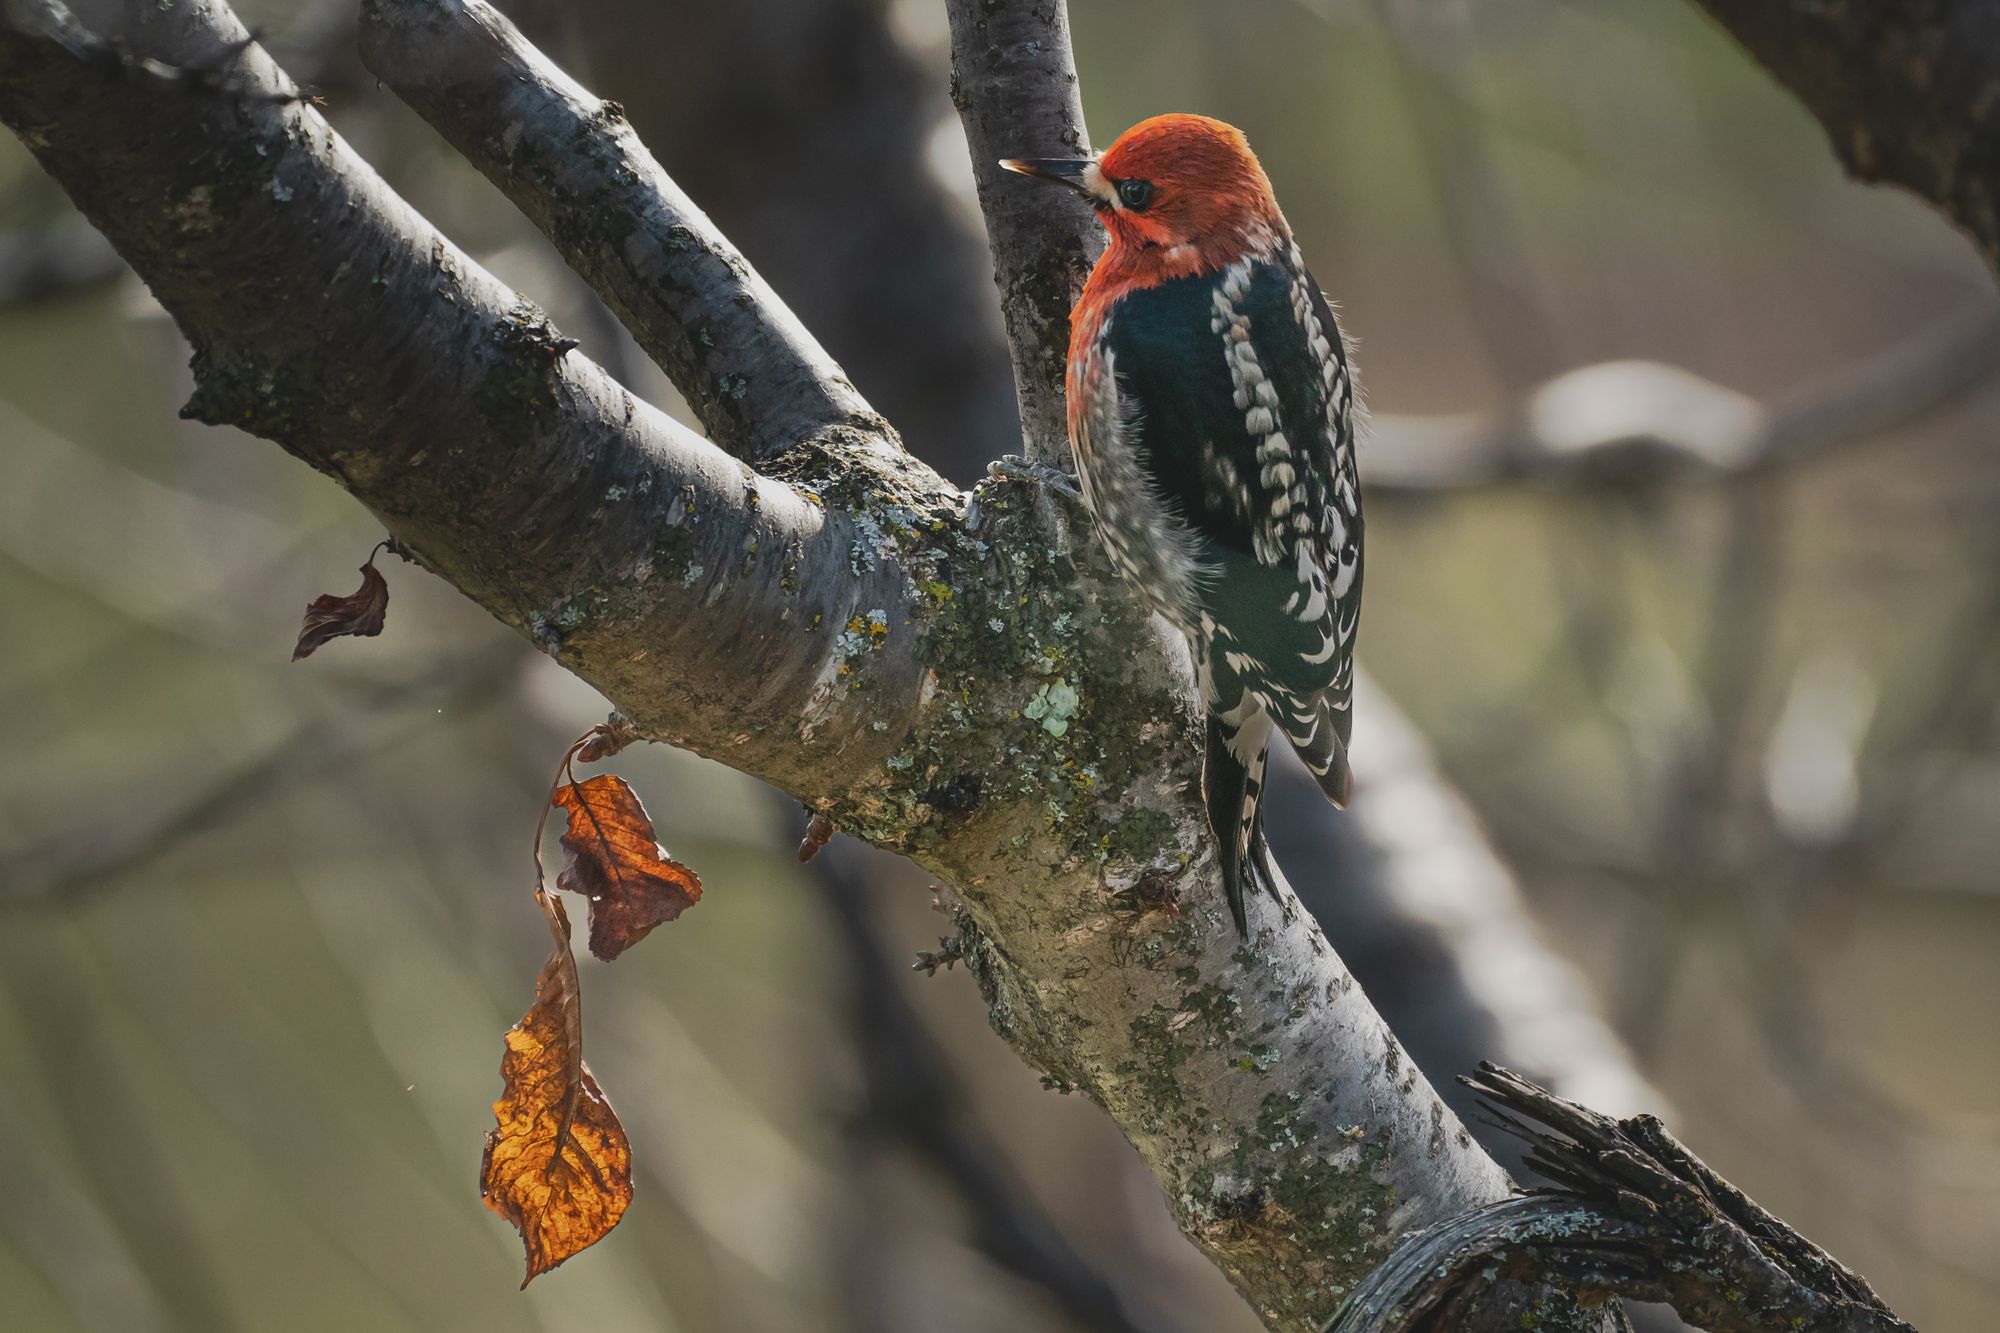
(1062, 170)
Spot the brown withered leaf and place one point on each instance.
(558, 1165)
(330, 617)
(616, 862)
(604, 740)
(819, 832)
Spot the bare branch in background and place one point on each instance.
(1624, 424)
(81, 861)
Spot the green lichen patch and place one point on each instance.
(1289, 1197)
(1029, 647)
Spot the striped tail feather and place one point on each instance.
(1232, 780)
(1318, 732)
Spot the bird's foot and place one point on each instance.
(950, 950)
(1015, 467)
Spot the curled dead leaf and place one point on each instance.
(616, 862)
(557, 1165)
(606, 739)
(360, 614)
(819, 832)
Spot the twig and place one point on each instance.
(950, 951)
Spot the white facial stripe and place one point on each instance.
(1098, 187)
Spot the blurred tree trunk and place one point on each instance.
(1908, 91)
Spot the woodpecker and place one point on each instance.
(1212, 414)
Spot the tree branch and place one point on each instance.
(1435, 928)
(571, 162)
(1013, 81)
(327, 315)
(864, 636)
(1636, 1214)
(1906, 92)
(1641, 423)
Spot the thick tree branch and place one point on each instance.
(1908, 91)
(327, 315)
(1635, 1214)
(756, 378)
(1013, 80)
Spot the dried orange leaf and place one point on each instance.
(614, 860)
(329, 617)
(558, 1166)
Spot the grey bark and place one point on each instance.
(1013, 80)
(1433, 924)
(842, 624)
(572, 163)
(867, 187)
(1633, 1214)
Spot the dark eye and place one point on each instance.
(1135, 194)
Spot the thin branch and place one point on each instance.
(571, 162)
(1624, 424)
(1014, 83)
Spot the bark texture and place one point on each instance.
(1634, 1214)
(949, 675)
(1908, 90)
(573, 165)
(1013, 80)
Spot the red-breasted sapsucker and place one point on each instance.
(1211, 409)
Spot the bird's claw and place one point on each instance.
(1015, 467)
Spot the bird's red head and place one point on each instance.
(1178, 194)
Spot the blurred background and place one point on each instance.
(1680, 783)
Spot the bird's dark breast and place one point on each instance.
(1175, 381)
(1236, 398)
(1229, 424)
